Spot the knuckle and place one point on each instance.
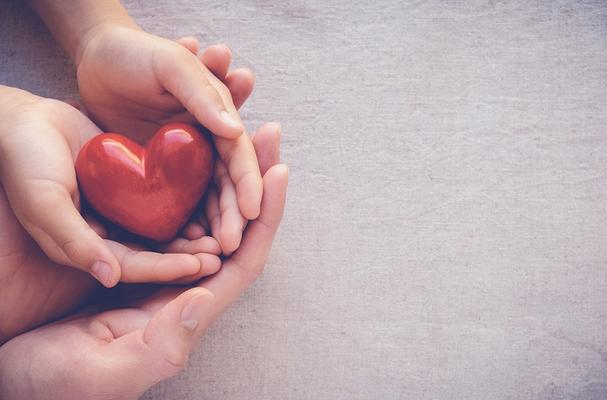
(75, 249)
(42, 195)
(174, 362)
(244, 177)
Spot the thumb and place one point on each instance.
(200, 92)
(177, 327)
(143, 357)
(55, 224)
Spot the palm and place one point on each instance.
(87, 345)
(120, 353)
(37, 289)
(128, 98)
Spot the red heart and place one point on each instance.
(149, 191)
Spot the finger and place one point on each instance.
(96, 226)
(152, 349)
(162, 348)
(210, 101)
(213, 213)
(247, 262)
(193, 230)
(239, 157)
(231, 221)
(201, 93)
(119, 322)
(211, 263)
(204, 244)
(240, 82)
(217, 59)
(147, 266)
(190, 43)
(267, 145)
(177, 327)
(50, 216)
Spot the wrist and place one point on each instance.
(72, 22)
(95, 33)
(11, 97)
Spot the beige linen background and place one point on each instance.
(446, 229)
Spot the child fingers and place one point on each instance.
(247, 263)
(204, 244)
(232, 221)
(193, 230)
(200, 92)
(217, 59)
(240, 160)
(53, 221)
(213, 213)
(240, 82)
(147, 266)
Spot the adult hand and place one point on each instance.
(120, 353)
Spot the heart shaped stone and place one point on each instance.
(150, 191)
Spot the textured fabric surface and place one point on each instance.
(446, 229)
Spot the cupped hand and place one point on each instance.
(35, 290)
(120, 353)
(220, 214)
(133, 82)
(39, 140)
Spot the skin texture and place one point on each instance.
(40, 178)
(33, 182)
(151, 81)
(34, 289)
(37, 289)
(118, 353)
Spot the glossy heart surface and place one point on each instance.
(152, 190)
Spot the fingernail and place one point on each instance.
(103, 272)
(194, 312)
(230, 120)
(190, 325)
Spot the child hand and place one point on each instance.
(132, 81)
(39, 140)
(225, 220)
